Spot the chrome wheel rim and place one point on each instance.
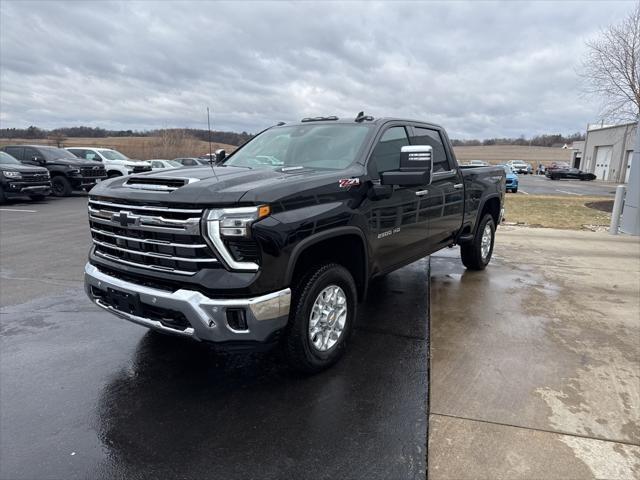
(328, 318)
(485, 245)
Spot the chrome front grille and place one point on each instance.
(154, 238)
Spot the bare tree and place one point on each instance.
(611, 69)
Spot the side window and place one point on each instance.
(29, 153)
(426, 136)
(386, 154)
(77, 152)
(15, 152)
(156, 164)
(91, 155)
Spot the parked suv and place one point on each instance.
(17, 179)
(67, 172)
(279, 240)
(115, 163)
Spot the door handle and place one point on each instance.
(422, 193)
(458, 186)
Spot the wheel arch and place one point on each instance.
(344, 245)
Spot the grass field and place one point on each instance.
(141, 148)
(555, 212)
(496, 154)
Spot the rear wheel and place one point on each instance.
(477, 254)
(60, 186)
(322, 314)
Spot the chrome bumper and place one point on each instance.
(207, 317)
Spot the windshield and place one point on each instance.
(113, 155)
(313, 146)
(6, 159)
(53, 153)
(173, 163)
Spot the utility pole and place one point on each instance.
(631, 210)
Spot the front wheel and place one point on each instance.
(515, 190)
(60, 186)
(321, 320)
(477, 254)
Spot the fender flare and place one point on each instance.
(326, 235)
(481, 208)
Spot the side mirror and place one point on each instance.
(416, 167)
(220, 155)
(38, 159)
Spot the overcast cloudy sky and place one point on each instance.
(480, 69)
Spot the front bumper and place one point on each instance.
(23, 188)
(206, 318)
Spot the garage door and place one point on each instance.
(603, 159)
(629, 158)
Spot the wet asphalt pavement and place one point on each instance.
(84, 394)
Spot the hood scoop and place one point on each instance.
(158, 184)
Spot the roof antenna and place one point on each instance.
(361, 117)
(210, 150)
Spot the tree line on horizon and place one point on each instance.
(235, 138)
(35, 133)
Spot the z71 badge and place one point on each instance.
(348, 182)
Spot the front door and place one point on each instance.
(444, 204)
(397, 230)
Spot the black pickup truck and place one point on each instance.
(277, 243)
(67, 172)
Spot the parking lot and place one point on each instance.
(533, 372)
(87, 395)
(541, 185)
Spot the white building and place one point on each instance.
(608, 151)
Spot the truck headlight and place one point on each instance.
(222, 223)
(11, 174)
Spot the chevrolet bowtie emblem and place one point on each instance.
(125, 218)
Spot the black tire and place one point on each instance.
(471, 253)
(114, 174)
(60, 186)
(3, 197)
(515, 190)
(300, 352)
(37, 198)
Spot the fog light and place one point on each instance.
(236, 319)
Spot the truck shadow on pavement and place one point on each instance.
(182, 410)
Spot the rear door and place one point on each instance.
(443, 206)
(397, 232)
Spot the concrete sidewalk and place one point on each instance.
(535, 367)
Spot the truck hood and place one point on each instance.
(126, 163)
(72, 163)
(22, 168)
(220, 185)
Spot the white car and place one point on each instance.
(114, 162)
(519, 166)
(159, 164)
(478, 163)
